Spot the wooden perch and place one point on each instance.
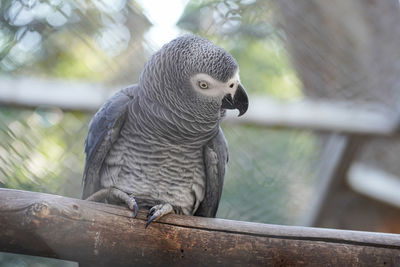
(105, 235)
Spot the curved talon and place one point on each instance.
(134, 206)
(151, 211)
(157, 212)
(131, 202)
(150, 220)
(135, 212)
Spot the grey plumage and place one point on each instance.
(159, 141)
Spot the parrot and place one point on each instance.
(158, 144)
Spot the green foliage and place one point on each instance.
(69, 39)
(265, 69)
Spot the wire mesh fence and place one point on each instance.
(271, 175)
(42, 148)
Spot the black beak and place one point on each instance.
(240, 101)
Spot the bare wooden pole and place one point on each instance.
(105, 235)
(337, 116)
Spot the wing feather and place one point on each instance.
(215, 159)
(104, 129)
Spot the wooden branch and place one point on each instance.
(105, 235)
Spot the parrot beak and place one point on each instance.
(240, 101)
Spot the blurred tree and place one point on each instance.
(72, 39)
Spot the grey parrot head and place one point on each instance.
(195, 76)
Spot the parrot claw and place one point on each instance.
(129, 200)
(157, 212)
(133, 206)
(136, 210)
(149, 221)
(151, 211)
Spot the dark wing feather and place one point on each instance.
(104, 129)
(215, 159)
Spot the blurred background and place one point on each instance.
(318, 146)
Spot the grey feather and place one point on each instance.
(160, 141)
(103, 131)
(215, 159)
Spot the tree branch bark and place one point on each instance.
(105, 235)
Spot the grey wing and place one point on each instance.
(215, 159)
(104, 129)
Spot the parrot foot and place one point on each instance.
(115, 195)
(158, 211)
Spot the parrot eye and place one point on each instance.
(203, 85)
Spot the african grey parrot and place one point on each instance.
(158, 144)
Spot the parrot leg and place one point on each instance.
(115, 195)
(158, 211)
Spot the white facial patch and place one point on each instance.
(208, 86)
(232, 84)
